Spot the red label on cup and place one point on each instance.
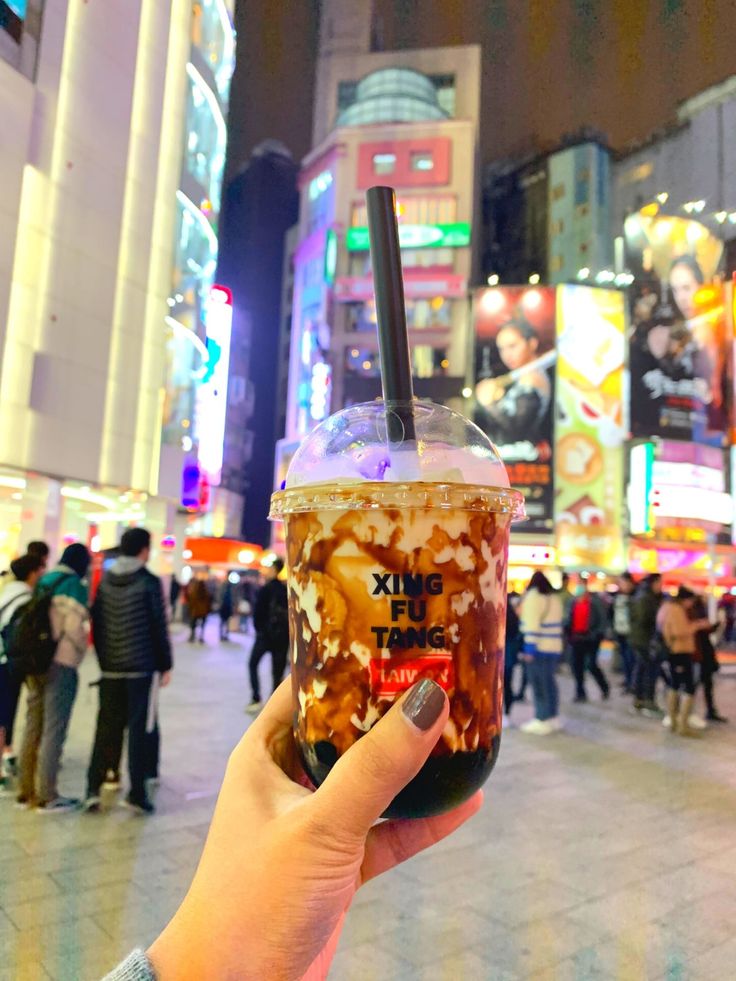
(390, 677)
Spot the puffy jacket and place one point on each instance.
(69, 615)
(130, 632)
(644, 609)
(678, 631)
(541, 623)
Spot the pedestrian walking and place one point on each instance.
(131, 637)
(271, 621)
(25, 572)
(199, 603)
(51, 695)
(512, 649)
(622, 628)
(225, 609)
(643, 617)
(678, 629)
(585, 628)
(540, 612)
(706, 659)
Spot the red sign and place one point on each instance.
(417, 286)
(391, 676)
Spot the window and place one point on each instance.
(555, 263)
(414, 211)
(558, 191)
(384, 163)
(421, 160)
(557, 227)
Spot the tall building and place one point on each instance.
(549, 215)
(688, 170)
(261, 204)
(408, 119)
(99, 102)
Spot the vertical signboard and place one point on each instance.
(514, 388)
(679, 343)
(212, 392)
(590, 431)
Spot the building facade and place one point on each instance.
(689, 170)
(549, 216)
(90, 231)
(408, 119)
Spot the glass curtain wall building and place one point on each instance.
(190, 357)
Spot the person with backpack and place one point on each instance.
(271, 620)
(622, 627)
(26, 572)
(585, 628)
(540, 612)
(52, 636)
(642, 637)
(131, 637)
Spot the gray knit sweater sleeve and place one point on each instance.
(135, 967)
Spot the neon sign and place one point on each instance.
(212, 393)
(415, 237)
(319, 403)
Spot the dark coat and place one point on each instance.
(644, 609)
(131, 634)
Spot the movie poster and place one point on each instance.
(515, 389)
(678, 344)
(591, 429)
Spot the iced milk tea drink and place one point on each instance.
(396, 567)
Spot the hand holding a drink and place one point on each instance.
(283, 862)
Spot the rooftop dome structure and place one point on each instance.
(392, 95)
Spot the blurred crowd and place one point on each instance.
(664, 646)
(50, 618)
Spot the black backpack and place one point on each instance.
(278, 616)
(29, 644)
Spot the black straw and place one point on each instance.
(393, 339)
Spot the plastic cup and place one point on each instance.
(396, 561)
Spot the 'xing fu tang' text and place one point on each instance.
(407, 594)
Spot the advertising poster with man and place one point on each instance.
(514, 388)
(678, 342)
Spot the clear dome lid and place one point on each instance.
(351, 448)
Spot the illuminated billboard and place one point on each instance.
(415, 236)
(590, 428)
(514, 388)
(679, 344)
(212, 391)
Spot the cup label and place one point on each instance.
(391, 677)
(392, 674)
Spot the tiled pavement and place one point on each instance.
(606, 852)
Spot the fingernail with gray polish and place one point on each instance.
(424, 704)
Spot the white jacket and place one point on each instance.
(541, 622)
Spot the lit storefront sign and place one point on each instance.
(673, 485)
(454, 235)
(330, 256)
(212, 394)
(319, 403)
(417, 286)
(532, 555)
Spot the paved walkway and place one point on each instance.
(606, 852)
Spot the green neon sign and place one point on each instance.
(416, 237)
(330, 257)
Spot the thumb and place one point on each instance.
(366, 779)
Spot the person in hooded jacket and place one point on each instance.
(26, 572)
(131, 637)
(51, 695)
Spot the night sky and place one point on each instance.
(549, 66)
